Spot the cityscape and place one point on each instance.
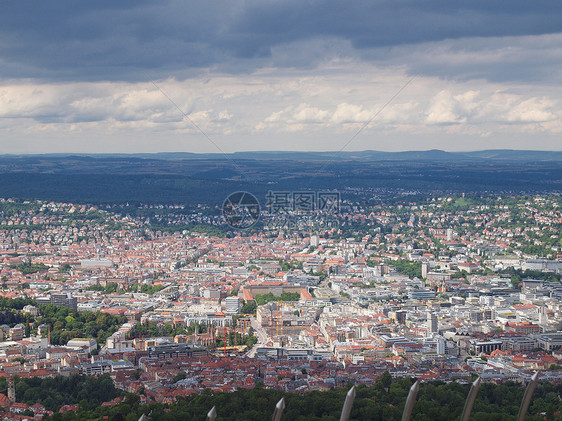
(243, 210)
(440, 289)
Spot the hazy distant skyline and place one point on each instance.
(279, 75)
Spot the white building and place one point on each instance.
(34, 311)
(80, 343)
(233, 305)
(314, 240)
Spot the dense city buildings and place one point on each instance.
(440, 288)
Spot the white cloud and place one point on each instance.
(532, 110)
(482, 109)
(445, 109)
(305, 114)
(276, 106)
(28, 100)
(350, 113)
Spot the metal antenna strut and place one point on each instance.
(527, 397)
(410, 401)
(470, 399)
(349, 399)
(212, 415)
(278, 411)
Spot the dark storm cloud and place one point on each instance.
(121, 40)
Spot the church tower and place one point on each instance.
(11, 390)
(543, 316)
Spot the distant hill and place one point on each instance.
(368, 155)
(429, 155)
(209, 178)
(517, 155)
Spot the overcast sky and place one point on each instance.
(121, 76)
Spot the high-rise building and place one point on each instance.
(432, 323)
(441, 346)
(424, 270)
(400, 316)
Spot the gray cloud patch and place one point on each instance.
(108, 40)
